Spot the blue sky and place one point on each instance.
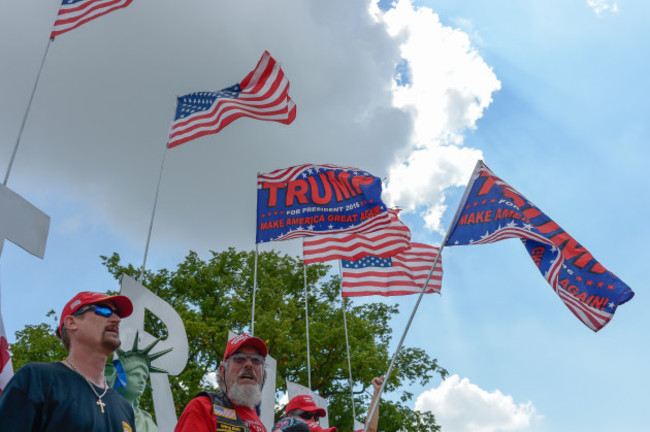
(552, 95)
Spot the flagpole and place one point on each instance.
(255, 278)
(29, 104)
(373, 408)
(347, 344)
(254, 291)
(304, 268)
(155, 201)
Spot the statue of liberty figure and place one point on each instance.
(129, 376)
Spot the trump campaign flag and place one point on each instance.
(401, 274)
(74, 13)
(382, 241)
(308, 200)
(263, 95)
(492, 210)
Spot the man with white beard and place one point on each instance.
(235, 406)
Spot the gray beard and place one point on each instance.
(245, 395)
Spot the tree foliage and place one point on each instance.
(216, 295)
(37, 343)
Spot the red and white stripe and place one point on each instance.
(6, 370)
(407, 275)
(381, 241)
(379, 221)
(292, 173)
(263, 96)
(73, 15)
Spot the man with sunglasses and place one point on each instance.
(235, 407)
(73, 394)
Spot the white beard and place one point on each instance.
(249, 395)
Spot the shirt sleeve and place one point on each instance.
(197, 417)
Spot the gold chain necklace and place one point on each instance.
(99, 403)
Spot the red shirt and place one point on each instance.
(198, 417)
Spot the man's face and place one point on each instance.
(97, 330)
(246, 373)
(243, 377)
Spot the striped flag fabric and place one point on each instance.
(263, 95)
(74, 13)
(6, 370)
(492, 210)
(402, 274)
(378, 239)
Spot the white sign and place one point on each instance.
(22, 223)
(174, 362)
(27, 227)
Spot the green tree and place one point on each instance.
(37, 343)
(215, 296)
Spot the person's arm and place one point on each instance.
(376, 384)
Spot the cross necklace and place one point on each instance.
(99, 402)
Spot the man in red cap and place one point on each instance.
(304, 409)
(73, 394)
(234, 407)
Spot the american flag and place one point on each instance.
(262, 95)
(6, 370)
(382, 241)
(404, 273)
(492, 210)
(74, 13)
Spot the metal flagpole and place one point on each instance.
(153, 214)
(155, 201)
(304, 268)
(254, 292)
(373, 408)
(347, 345)
(254, 280)
(29, 104)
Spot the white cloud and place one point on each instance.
(450, 87)
(602, 6)
(460, 406)
(97, 135)
(210, 381)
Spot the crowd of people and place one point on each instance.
(73, 394)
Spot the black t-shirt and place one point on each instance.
(50, 397)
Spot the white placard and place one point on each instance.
(174, 362)
(22, 223)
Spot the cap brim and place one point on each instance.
(315, 427)
(258, 344)
(122, 304)
(314, 409)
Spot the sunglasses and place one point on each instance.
(240, 359)
(308, 416)
(100, 310)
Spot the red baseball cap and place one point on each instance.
(315, 427)
(122, 304)
(244, 339)
(305, 403)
